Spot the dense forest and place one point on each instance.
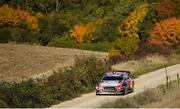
(120, 27)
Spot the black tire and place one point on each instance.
(97, 93)
(125, 92)
(132, 90)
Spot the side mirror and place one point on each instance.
(124, 84)
(97, 83)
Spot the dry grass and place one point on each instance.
(170, 100)
(24, 61)
(148, 64)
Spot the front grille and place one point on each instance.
(108, 89)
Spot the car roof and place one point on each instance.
(116, 73)
(123, 71)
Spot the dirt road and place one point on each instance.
(149, 80)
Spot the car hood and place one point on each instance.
(110, 83)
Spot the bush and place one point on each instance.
(66, 43)
(3, 104)
(122, 103)
(165, 9)
(146, 26)
(24, 35)
(100, 46)
(176, 4)
(146, 48)
(130, 24)
(80, 79)
(5, 35)
(108, 31)
(61, 42)
(127, 45)
(82, 32)
(146, 97)
(136, 101)
(166, 32)
(64, 85)
(26, 94)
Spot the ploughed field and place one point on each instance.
(20, 61)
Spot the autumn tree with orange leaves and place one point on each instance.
(80, 32)
(166, 32)
(12, 17)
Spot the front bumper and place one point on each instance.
(109, 90)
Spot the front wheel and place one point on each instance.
(132, 90)
(124, 91)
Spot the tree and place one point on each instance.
(81, 32)
(166, 32)
(165, 9)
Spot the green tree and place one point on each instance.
(108, 31)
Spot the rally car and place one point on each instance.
(115, 82)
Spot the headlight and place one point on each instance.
(118, 88)
(97, 87)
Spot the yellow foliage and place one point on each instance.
(80, 32)
(9, 16)
(114, 53)
(12, 17)
(130, 24)
(128, 42)
(33, 22)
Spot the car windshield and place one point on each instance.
(113, 78)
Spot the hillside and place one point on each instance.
(120, 27)
(25, 61)
(53, 40)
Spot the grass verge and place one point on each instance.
(149, 63)
(160, 97)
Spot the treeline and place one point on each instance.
(59, 87)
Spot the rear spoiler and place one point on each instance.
(125, 71)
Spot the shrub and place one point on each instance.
(146, 97)
(122, 103)
(100, 46)
(5, 35)
(61, 42)
(166, 32)
(128, 42)
(44, 39)
(81, 32)
(9, 16)
(24, 35)
(130, 24)
(60, 86)
(165, 9)
(3, 104)
(12, 17)
(66, 43)
(108, 31)
(147, 25)
(176, 5)
(146, 48)
(126, 45)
